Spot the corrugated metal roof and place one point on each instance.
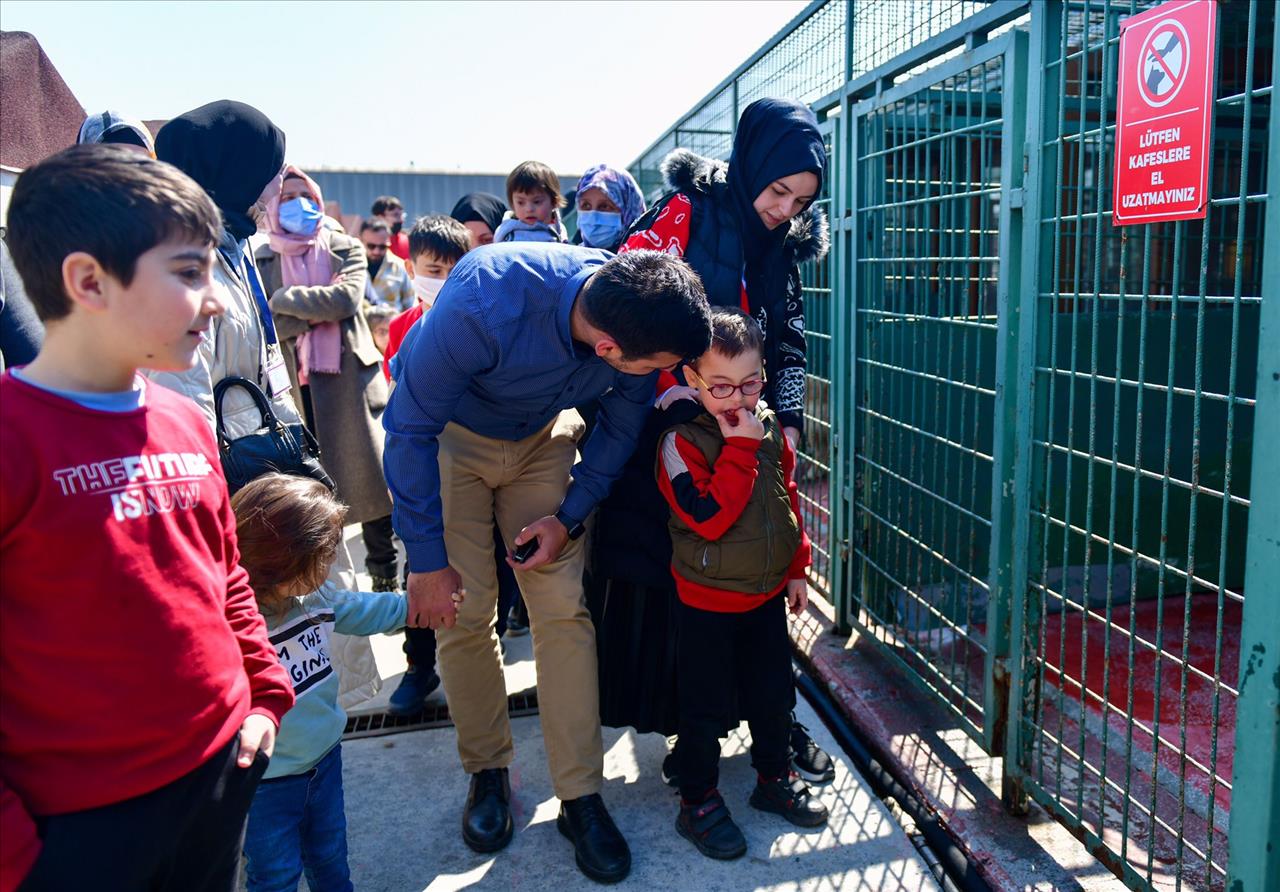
(428, 192)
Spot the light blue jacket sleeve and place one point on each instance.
(367, 613)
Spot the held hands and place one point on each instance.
(552, 537)
(740, 423)
(257, 735)
(434, 598)
(797, 595)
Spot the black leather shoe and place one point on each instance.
(599, 848)
(486, 821)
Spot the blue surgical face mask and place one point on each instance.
(300, 216)
(600, 229)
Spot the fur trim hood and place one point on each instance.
(686, 171)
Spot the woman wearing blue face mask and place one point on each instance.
(609, 201)
(316, 279)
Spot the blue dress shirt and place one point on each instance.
(495, 355)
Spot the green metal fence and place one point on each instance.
(1033, 437)
(1141, 448)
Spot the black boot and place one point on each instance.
(486, 821)
(599, 848)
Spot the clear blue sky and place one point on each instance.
(456, 85)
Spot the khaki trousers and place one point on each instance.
(518, 482)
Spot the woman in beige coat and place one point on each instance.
(316, 278)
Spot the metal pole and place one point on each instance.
(1255, 796)
(1015, 344)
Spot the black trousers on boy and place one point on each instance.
(728, 658)
(183, 837)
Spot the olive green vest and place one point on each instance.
(753, 556)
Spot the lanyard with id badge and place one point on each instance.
(277, 375)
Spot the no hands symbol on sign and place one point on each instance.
(1163, 113)
(1163, 62)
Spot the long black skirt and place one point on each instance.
(636, 642)
(636, 634)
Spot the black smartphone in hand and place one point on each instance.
(525, 551)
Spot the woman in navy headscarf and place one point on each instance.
(745, 227)
(608, 202)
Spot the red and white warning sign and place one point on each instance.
(1163, 113)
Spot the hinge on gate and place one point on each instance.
(835, 442)
(1015, 197)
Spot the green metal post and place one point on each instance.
(1254, 862)
(843, 347)
(1013, 366)
(1037, 189)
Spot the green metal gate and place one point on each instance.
(1035, 443)
(926, 250)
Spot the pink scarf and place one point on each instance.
(304, 260)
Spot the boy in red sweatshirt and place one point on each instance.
(739, 554)
(141, 695)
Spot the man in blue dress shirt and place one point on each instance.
(477, 428)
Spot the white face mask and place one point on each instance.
(427, 288)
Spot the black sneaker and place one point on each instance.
(411, 696)
(807, 758)
(384, 583)
(517, 622)
(789, 797)
(670, 776)
(710, 828)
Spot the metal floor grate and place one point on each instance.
(378, 724)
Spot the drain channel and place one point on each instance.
(379, 724)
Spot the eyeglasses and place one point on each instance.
(724, 391)
(371, 248)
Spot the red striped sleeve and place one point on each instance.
(709, 499)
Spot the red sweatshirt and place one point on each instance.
(396, 331)
(711, 499)
(131, 647)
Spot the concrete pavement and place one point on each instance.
(405, 792)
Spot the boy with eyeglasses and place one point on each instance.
(739, 554)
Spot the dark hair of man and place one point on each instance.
(649, 302)
(374, 224)
(534, 176)
(384, 203)
(734, 333)
(110, 202)
(288, 529)
(442, 237)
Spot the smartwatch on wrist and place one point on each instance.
(575, 527)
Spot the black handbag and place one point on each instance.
(276, 446)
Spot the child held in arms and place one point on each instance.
(533, 191)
